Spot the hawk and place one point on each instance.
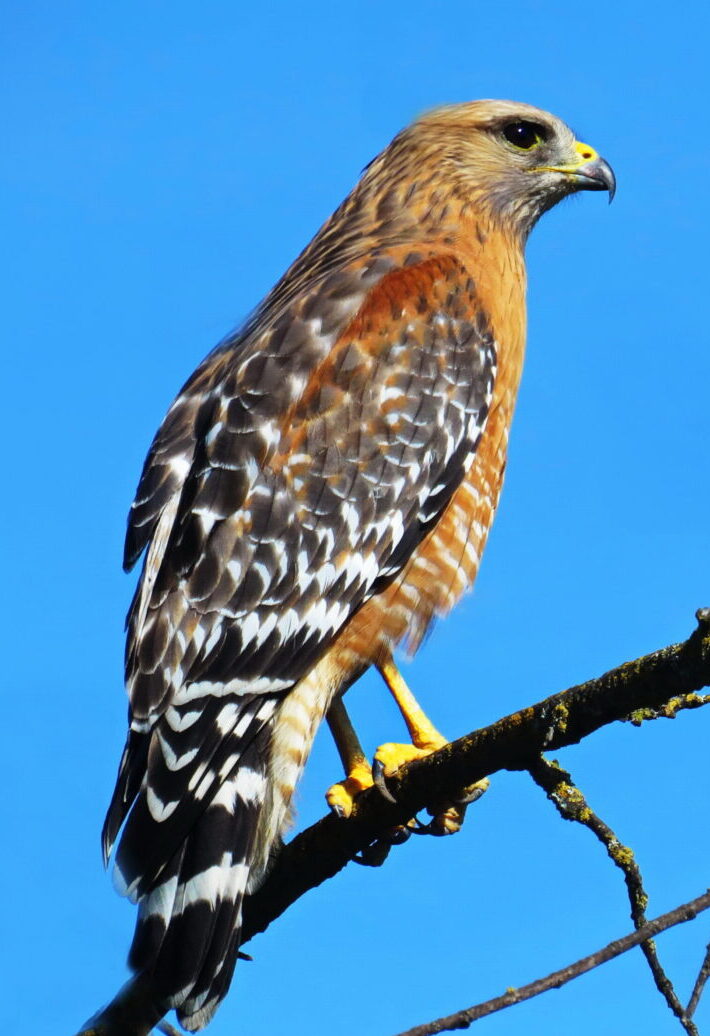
(321, 488)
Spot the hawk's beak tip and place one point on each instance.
(600, 174)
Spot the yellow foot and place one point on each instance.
(341, 796)
(447, 817)
(389, 758)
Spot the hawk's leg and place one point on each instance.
(340, 796)
(425, 739)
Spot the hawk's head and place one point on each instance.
(515, 160)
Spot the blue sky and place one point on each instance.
(161, 165)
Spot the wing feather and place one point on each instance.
(308, 489)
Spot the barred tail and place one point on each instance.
(187, 855)
(187, 934)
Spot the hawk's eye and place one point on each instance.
(523, 135)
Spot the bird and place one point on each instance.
(320, 490)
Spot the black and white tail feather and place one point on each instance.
(190, 889)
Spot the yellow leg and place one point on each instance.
(425, 737)
(422, 731)
(425, 740)
(340, 796)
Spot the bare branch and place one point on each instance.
(699, 986)
(463, 1019)
(318, 853)
(572, 805)
(670, 709)
(647, 684)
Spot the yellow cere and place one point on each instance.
(585, 152)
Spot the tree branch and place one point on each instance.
(572, 805)
(699, 986)
(650, 684)
(462, 1019)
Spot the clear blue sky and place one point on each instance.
(161, 164)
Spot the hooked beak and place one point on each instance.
(590, 172)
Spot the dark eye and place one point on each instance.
(525, 135)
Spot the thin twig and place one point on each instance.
(669, 709)
(572, 805)
(462, 1019)
(699, 986)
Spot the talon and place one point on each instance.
(399, 835)
(391, 757)
(449, 822)
(473, 792)
(374, 855)
(448, 818)
(378, 776)
(421, 828)
(341, 796)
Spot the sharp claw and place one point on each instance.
(399, 835)
(440, 826)
(374, 855)
(443, 823)
(378, 775)
(472, 793)
(337, 810)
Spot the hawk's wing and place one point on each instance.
(292, 479)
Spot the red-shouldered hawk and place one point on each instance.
(322, 486)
